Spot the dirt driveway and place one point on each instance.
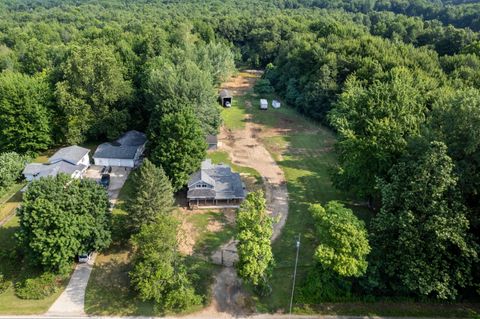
(245, 149)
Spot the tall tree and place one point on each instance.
(182, 81)
(254, 232)
(60, 218)
(374, 124)
(158, 273)
(343, 239)
(420, 237)
(25, 124)
(177, 144)
(92, 94)
(152, 196)
(11, 166)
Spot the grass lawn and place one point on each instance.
(16, 270)
(108, 291)
(304, 151)
(10, 200)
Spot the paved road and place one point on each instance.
(200, 316)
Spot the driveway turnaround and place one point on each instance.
(71, 301)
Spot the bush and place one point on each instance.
(263, 86)
(11, 166)
(4, 284)
(39, 287)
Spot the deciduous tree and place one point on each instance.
(343, 239)
(254, 232)
(60, 218)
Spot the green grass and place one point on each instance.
(16, 270)
(233, 117)
(10, 200)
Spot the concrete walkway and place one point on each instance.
(72, 300)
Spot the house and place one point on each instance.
(225, 98)
(125, 151)
(263, 104)
(212, 142)
(215, 185)
(73, 161)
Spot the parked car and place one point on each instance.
(84, 257)
(105, 180)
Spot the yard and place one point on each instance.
(304, 151)
(108, 291)
(15, 269)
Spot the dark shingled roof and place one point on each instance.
(123, 148)
(226, 184)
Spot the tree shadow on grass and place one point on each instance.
(109, 291)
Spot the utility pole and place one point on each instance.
(294, 275)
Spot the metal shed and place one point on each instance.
(225, 98)
(263, 104)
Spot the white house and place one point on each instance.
(263, 104)
(73, 161)
(125, 151)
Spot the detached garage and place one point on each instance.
(125, 151)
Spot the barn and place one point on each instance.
(225, 98)
(125, 151)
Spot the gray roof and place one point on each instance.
(225, 93)
(123, 148)
(72, 154)
(212, 139)
(226, 184)
(42, 170)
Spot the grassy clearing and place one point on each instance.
(16, 270)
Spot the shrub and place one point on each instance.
(263, 86)
(39, 287)
(4, 284)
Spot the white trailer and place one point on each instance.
(263, 104)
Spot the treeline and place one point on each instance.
(408, 122)
(462, 14)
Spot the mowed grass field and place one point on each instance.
(305, 152)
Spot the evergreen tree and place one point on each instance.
(158, 273)
(152, 196)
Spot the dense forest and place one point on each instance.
(398, 81)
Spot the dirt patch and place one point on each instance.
(214, 226)
(186, 237)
